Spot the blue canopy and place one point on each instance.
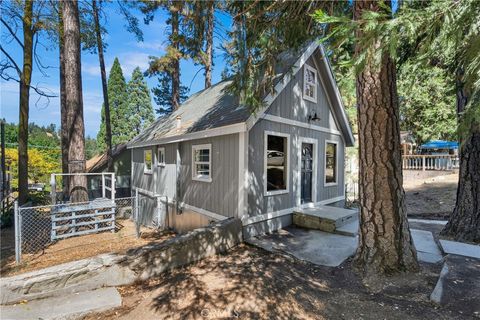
(440, 144)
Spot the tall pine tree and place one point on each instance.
(119, 115)
(162, 94)
(139, 103)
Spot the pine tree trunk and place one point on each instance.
(464, 222)
(108, 129)
(63, 111)
(176, 62)
(74, 103)
(25, 81)
(209, 44)
(385, 242)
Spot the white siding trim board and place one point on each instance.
(204, 212)
(284, 212)
(208, 133)
(296, 123)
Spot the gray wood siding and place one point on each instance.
(291, 105)
(139, 178)
(258, 203)
(221, 195)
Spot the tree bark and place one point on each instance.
(464, 222)
(174, 10)
(385, 242)
(63, 111)
(74, 102)
(108, 128)
(25, 80)
(209, 44)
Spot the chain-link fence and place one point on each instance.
(62, 227)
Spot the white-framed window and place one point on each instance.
(331, 163)
(161, 156)
(202, 162)
(147, 161)
(310, 83)
(276, 162)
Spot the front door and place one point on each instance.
(307, 173)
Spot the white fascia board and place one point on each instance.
(215, 132)
(338, 97)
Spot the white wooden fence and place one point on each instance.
(430, 162)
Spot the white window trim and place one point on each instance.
(315, 85)
(199, 147)
(161, 164)
(265, 144)
(330, 184)
(145, 170)
(314, 142)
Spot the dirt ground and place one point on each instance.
(76, 248)
(250, 283)
(432, 198)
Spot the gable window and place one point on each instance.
(147, 161)
(331, 163)
(310, 83)
(161, 156)
(276, 163)
(202, 162)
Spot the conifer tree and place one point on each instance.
(162, 94)
(139, 103)
(117, 96)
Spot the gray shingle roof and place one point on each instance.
(207, 109)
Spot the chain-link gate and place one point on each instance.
(38, 227)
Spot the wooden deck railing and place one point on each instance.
(430, 162)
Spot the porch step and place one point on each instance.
(328, 219)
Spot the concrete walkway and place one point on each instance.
(427, 249)
(318, 247)
(70, 306)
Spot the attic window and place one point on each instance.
(201, 162)
(310, 84)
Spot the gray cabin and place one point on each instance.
(213, 159)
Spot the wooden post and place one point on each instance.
(103, 186)
(18, 240)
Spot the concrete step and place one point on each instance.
(71, 306)
(350, 229)
(325, 218)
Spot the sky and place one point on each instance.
(121, 44)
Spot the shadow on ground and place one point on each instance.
(250, 283)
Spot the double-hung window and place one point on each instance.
(331, 163)
(276, 163)
(202, 162)
(161, 156)
(310, 83)
(147, 161)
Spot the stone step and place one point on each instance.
(325, 218)
(70, 306)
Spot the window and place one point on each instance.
(148, 161)
(310, 84)
(161, 156)
(330, 163)
(276, 163)
(201, 162)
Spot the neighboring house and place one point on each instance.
(213, 158)
(122, 164)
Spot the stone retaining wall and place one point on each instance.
(115, 270)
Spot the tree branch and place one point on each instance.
(19, 71)
(12, 32)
